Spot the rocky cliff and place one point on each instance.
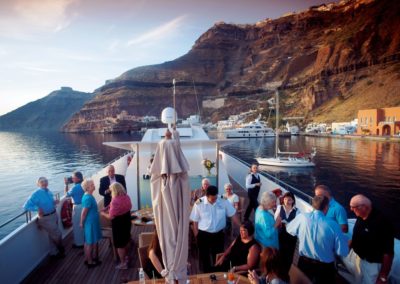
(48, 113)
(328, 61)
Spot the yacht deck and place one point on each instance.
(71, 269)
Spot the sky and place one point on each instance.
(47, 44)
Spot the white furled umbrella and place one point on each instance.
(170, 193)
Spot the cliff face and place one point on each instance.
(329, 61)
(48, 113)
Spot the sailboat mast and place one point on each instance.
(174, 102)
(276, 122)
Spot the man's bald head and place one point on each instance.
(361, 206)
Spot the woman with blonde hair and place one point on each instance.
(230, 196)
(120, 216)
(266, 226)
(90, 222)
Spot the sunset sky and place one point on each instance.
(46, 44)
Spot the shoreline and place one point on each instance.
(349, 136)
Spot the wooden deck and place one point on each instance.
(71, 269)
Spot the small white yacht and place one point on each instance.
(286, 159)
(289, 159)
(254, 129)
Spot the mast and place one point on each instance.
(174, 102)
(276, 122)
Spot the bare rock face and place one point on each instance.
(318, 56)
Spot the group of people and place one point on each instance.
(271, 241)
(278, 226)
(86, 216)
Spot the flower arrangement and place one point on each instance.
(208, 165)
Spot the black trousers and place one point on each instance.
(252, 193)
(318, 272)
(287, 246)
(210, 244)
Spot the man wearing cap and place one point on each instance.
(42, 201)
(320, 238)
(335, 210)
(372, 241)
(209, 220)
(106, 181)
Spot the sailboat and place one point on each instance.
(286, 159)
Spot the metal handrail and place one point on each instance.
(286, 186)
(26, 213)
(119, 157)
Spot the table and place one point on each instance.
(143, 217)
(203, 279)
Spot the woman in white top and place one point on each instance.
(286, 213)
(230, 196)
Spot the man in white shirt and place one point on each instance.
(209, 220)
(253, 185)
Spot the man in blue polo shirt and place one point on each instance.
(42, 200)
(320, 239)
(335, 211)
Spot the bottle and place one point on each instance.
(141, 276)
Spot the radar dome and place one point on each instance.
(167, 115)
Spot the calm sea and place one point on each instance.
(347, 166)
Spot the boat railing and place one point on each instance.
(119, 157)
(28, 218)
(28, 215)
(283, 184)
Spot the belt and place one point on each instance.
(314, 261)
(219, 232)
(51, 213)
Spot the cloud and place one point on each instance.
(40, 69)
(21, 18)
(113, 46)
(159, 33)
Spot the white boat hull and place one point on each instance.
(278, 162)
(235, 134)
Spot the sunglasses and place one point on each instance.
(356, 206)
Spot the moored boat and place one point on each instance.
(286, 159)
(254, 129)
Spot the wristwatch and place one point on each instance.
(383, 279)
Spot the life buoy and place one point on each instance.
(66, 213)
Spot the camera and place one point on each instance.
(68, 179)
